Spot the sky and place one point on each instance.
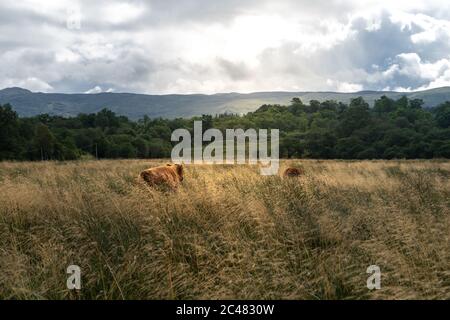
(207, 46)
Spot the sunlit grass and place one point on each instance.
(228, 232)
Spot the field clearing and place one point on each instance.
(227, 233)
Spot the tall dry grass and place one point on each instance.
(227, 233)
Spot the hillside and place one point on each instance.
(135, 106)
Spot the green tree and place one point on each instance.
(9, 133)
(442, 115)
(355, 117)
(384, 105)
(44, 142)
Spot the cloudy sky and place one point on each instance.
(207, 46)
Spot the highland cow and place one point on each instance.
(170, 175)
(293, 172)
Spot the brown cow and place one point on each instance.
(169, 175)
(293, 172)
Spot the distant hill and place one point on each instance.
(135, 106)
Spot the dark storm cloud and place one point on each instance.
(236, 71)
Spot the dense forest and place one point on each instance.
(327, 130)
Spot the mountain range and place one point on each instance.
(135, 106)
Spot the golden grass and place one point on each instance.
(227, 233)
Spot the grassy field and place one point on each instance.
(227, 233)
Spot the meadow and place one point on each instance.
(227, 233)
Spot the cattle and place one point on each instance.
(170, 175)
(293, 172)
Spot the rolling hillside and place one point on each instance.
(135, 106)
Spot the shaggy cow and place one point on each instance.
(293, 172)
(169, 175)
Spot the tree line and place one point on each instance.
(392, 129)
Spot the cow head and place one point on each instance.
(179, 169)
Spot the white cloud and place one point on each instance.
(30, 83)
(118, 13)
(234, 45)
(96, 89)
(442, 81)
(345, 86)
(35, 84)
(430, 29)
(410, 66)
(349, 87)
(67, 55)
